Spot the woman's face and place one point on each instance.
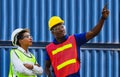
(26, 39)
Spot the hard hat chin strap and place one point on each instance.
(15, 39)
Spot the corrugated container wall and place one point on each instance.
(79, 16)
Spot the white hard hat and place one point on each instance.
(14, 34)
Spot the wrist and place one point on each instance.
(104, 18)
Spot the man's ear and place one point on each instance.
(52, 32)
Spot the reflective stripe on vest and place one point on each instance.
(23, 58)
(71, 61)
(64, 57)
(60, 49)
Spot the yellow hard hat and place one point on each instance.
(54, 20)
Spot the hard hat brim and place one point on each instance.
(62, 22)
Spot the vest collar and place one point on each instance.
(22, 50)
(55, 41)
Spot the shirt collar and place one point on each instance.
(55, 41)
(21, 49)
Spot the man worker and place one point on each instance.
(64, 52)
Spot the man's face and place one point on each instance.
(58, 31)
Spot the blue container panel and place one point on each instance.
(79, 16)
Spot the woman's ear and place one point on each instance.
(20, 41)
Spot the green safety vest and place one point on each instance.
(23, 58)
